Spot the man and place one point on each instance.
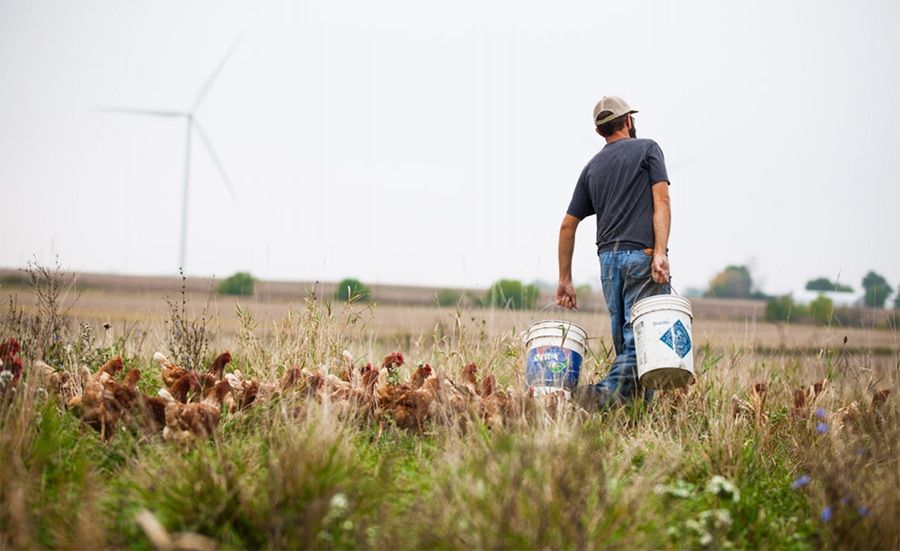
(627, 187)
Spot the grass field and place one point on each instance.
(724, 464)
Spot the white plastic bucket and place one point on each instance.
(662, 339)
(555, 353)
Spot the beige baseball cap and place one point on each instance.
(615, 105)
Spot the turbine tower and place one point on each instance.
(191, 124)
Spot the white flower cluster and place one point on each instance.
(6, 377)
(723, 488)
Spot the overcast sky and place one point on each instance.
(438, 143)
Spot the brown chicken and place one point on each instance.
(170, 371)
(153, 413)
(10, 363)
(186, 388)
(856, 417)
(806, 399)
(121, 398)
(420, 374)
(217, 368)
(469, 377)
(411, 404)
(9, 347)
(112, 367)
(754, 407)
(89, 405)
(495, 405)
(392, 361)
(346, 370)
(103, 400)
(185, 422)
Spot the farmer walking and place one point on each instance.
(627, 187)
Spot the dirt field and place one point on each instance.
(398, 323)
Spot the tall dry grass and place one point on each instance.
(720, 465)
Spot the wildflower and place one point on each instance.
(863, 511)
(679, 488)
(717, 518)
(722, 487)
(821, 428)
(826, 514)
(800, 482)
(339, 501)
(820, 413)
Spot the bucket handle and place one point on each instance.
(539, 312)
(536, 314)
(671, 287)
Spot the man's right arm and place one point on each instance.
(565, 291)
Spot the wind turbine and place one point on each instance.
(192, 124)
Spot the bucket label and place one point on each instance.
(552, 366)
(678, 339)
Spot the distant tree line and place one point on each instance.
(734, 282)
(505, 293)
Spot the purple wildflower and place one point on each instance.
(821, 428)
(863, 511)
(800, 482)
(826, 514)
(820, 413)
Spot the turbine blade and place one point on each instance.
(153, 112)
(212, 78)
(212, 153)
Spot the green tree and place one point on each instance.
(877, 290)
(350, 289)
(897, 299)
(240, 284)
(732, 282)
(510, 293)
(780, 308)
(825, 284)
(821, 310)
(447, 297)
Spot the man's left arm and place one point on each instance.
(662, 219)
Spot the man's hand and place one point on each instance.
(565, 295)
(565, 292)
(659, 268)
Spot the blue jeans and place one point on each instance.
(626, 279)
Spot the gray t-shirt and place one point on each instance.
(615, 185)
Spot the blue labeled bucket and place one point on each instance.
(555, 353)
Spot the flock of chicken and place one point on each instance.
(190, 403)
(808, 404)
